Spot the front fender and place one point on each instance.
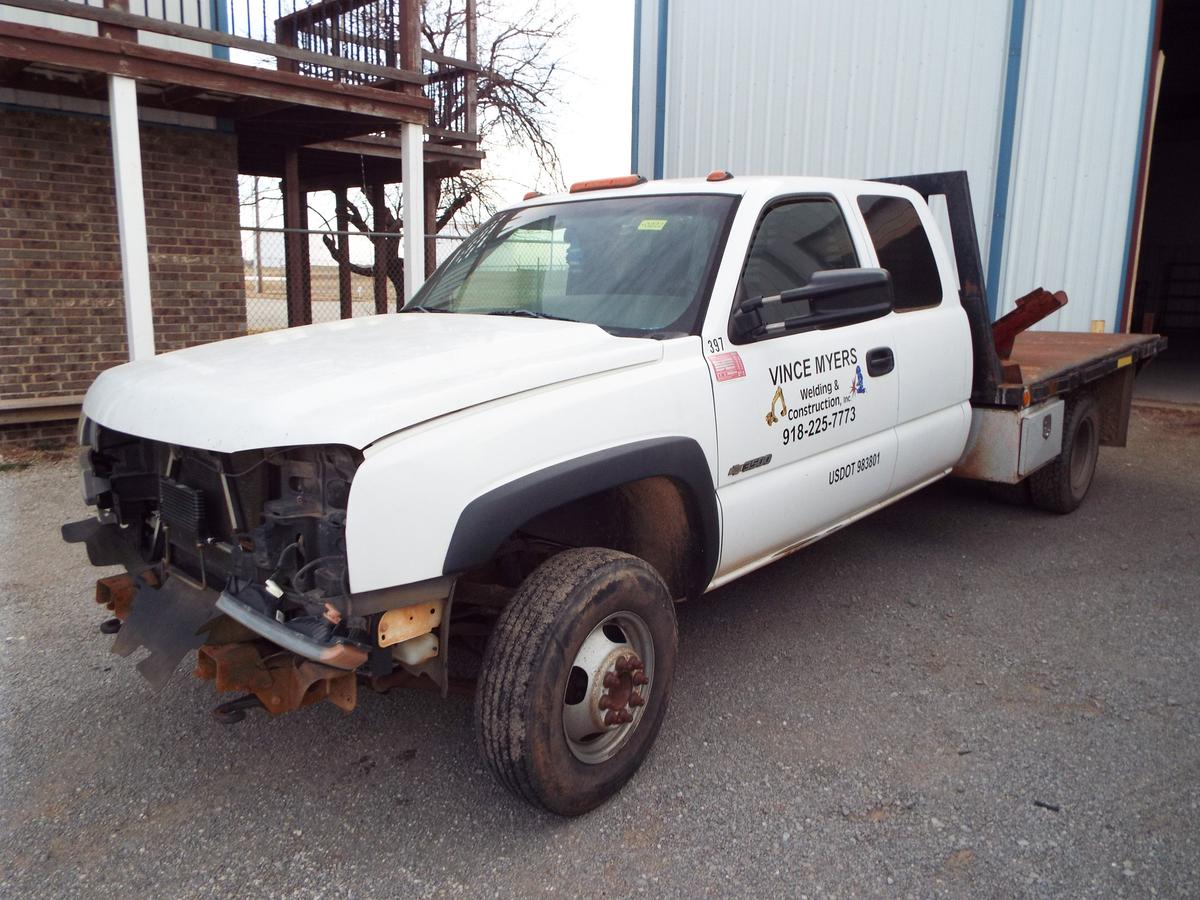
(439, 497)
(490, 518)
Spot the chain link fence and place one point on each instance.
(343, 279)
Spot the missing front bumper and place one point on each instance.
(337, 654)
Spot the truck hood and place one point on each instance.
(349, 382)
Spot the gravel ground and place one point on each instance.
(952, 697)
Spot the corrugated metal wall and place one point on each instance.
(857, 89)
(1076, 145)
(645, 74)
(866, 88)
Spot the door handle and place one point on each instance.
(880, 361)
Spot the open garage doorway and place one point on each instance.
(1167, 288)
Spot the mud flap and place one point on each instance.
(169, 621)
(107, 545)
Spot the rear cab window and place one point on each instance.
(903, 249)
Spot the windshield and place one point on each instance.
(628, 264)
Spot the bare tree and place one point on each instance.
(517, 91)
(518, 84)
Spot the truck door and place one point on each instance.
(931, 335)
(805, 417)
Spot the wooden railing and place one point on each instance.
(353, 41)
(377, 32)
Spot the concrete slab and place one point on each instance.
(1173, 376)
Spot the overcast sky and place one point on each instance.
(592, 133)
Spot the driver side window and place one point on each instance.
(794, 240)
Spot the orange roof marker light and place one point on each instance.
(719, 175)
(601, 184)
(532, 194)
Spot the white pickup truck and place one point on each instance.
(603, 403)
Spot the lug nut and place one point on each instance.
(627, 671)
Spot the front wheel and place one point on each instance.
(575, 679)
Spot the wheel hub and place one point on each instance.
(620, 697)
(608, 687)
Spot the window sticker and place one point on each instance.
(652, 224)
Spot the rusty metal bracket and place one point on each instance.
(281, 681)
(407, 622)
(1031, 309)
(116, 592)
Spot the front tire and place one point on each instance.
(576, 678)
(1061, 485)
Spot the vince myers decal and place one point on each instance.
(822, 405)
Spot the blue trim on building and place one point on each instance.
(637, 84)
(660, 89)
(220, 22)
(1008, 125)
(1135, 184)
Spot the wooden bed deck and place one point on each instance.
(1048, 363)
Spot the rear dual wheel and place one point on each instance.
(575, 679)
(1061, 485)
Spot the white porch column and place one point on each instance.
(131, 215)
(412, 149)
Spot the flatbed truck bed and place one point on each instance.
(1023, 401)
(1042, 365)
(1052, 363)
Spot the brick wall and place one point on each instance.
(62, 318)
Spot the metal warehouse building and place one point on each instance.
(1077, 120)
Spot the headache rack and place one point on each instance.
(1040, 365)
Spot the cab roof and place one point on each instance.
(735, 186)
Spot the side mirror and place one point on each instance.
(832, 298)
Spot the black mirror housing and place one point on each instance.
(832, 298)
